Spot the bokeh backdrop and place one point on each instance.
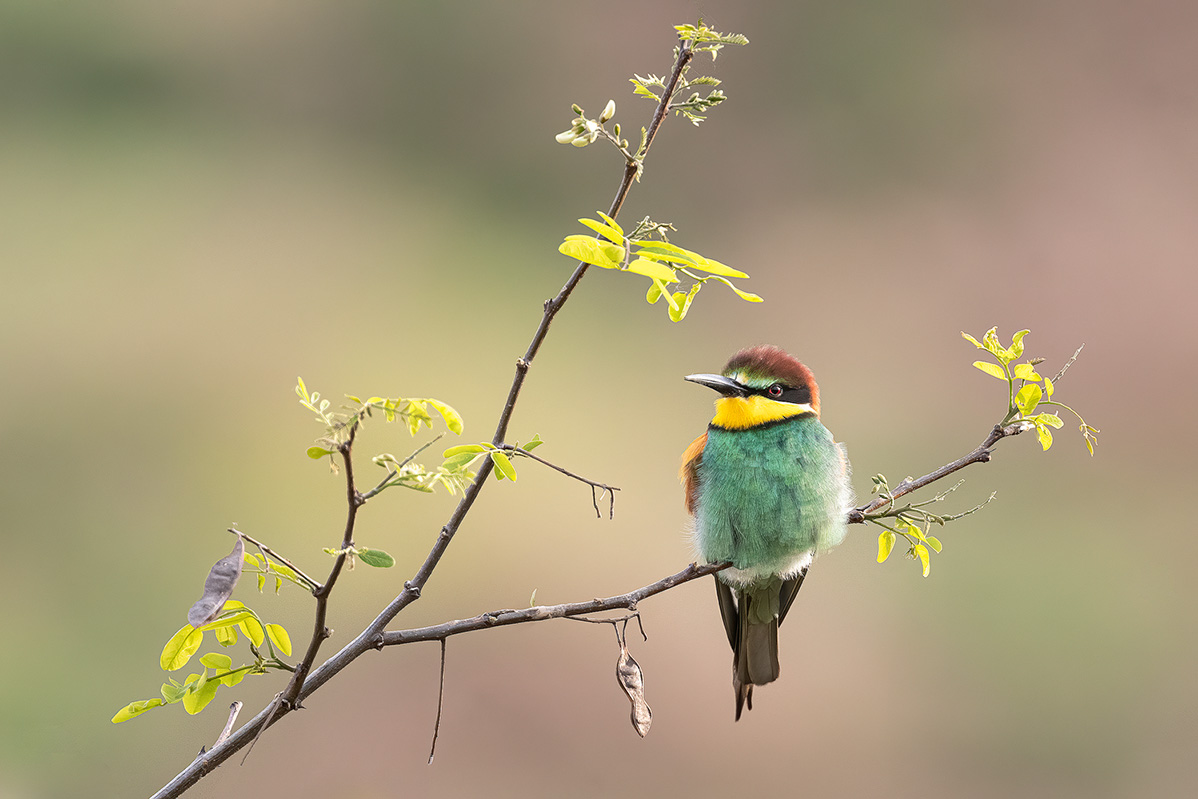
(200, 202)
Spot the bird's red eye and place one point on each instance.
(776, 390)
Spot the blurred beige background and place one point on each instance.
(202, 201)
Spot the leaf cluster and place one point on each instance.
(198, 689)
(1027, 390)
(665, 264)
(465, 455)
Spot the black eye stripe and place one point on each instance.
(790, 394)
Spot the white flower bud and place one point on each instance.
(609, 111)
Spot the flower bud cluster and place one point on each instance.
(585, 131)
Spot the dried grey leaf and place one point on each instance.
(628, 673)
(222, 579)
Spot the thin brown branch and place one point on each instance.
(392, 472)
(502, 618)
(313, 585)
(440, 706)
(291, 694)
(979, 455)
(608, 490)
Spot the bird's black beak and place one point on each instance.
(725, 385)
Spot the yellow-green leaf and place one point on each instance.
(973, 340)
(180, 648)
(934, 543)
(252, 630)
(503, 465)
(1025, 371)
(654, 292)
(225, 636)
(198, 699)
(217, 660)
(453, 419)
(1048, 387)
(1050, 419)
(611, 222)
(458, 450)
(606, 231)
(744, 295)
(280, 638)
(992, 369)
(1017, 343)
(653, 269)
(925, 559)
(886, 541)
(1045, 436)
(589, 250)
(1027, 399)
(134, 709)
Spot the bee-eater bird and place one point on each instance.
(768, 489)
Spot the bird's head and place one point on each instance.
(761, 385)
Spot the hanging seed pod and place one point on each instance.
(628, 673)
(218, 587)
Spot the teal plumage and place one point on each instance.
(768, 488)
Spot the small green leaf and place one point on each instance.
(992, 369)
(225, 636)
(198, 699)
(252, 630)
(463, 448)
(1050, 419)
(234, 677)
(1028, 398)
(316, 453)
(227, 620)
(280, 637)
(134, 709)
(1025, 371)
(217, 661)
(171, 692)
(453, 419)
(654, 292)
(990, 342)
(371, 557)
(673, 303)
(643, 266)
(180, 648)
(684, 301)
(261, 581)
(458, 461)
(921, 552)
(744, 295)
(973, 340)
(606, 231)
(589, 250)
(934, 543)
(536, 442)
(886, 541)
(1048, 387)
(1017, 343)
(1045, 436)
(503, 465)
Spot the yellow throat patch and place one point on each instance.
(740, 413)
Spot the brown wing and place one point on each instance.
(689, 473)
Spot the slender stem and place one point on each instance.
(502, 618)
(606, 488)
(312, 584)
(291, 694)
(979, 455)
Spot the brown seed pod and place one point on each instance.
(222, 579)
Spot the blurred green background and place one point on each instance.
(202, 201)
